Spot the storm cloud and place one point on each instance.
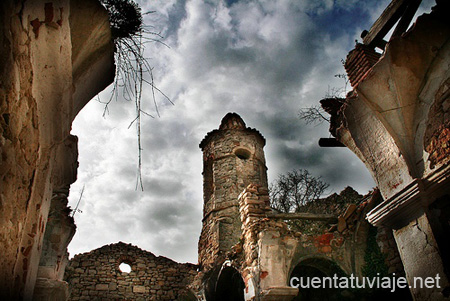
(261, 59)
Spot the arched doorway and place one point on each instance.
(229, 285)
(310, 268)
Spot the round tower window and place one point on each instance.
(242, 153)
(125, 267)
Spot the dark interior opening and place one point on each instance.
(440, 222)
(230, 286)
(242, 153)
(319, 267)
(305, 273)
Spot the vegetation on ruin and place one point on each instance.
(133, 70)
(375, 265)
(315, 114)
(292, 191)
(295, 189)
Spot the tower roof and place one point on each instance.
(231, 121)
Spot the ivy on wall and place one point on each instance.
(375, 265)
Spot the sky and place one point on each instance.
(264, 60)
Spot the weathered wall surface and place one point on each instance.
(37, 107)
(233, 157)
(346, 241)
(96, 275)
(270, 250)
(59, 231)
(420, 254)
(397, 117)
(396, 120)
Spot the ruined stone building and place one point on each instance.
(57, 55)
(249, 252)
(246, 251)
(97, 275)
(396, 120)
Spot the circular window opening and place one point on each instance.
(125, 267)
(242, 153)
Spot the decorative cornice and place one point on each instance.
(410, 202)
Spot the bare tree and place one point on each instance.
(293, 190)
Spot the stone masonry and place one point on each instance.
(242, 237)
(96, 275)
(247, 251)
(233, 158)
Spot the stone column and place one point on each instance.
(421, 259)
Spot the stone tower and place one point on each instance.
(233, 157)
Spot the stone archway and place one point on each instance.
(320, 267)
(230, 285)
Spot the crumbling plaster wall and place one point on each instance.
(269, 248)
(410, 240)
(269, 251)
(42, 88)
(397, 121)
(96, 275)
(399, 105)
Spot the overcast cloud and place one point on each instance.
(261, 59)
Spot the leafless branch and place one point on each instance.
(78, 203)
(313, 115)
(295, 189)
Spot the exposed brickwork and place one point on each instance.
(359, 61)
(396, 120)
(253, 206)
(96, 275)
(439, 147)
(437, 134)
(268, 247)
(334, 243)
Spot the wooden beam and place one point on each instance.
(404, 22)
(385, 22)
(330, 142)
(305, 216)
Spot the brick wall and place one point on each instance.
(359, 61)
